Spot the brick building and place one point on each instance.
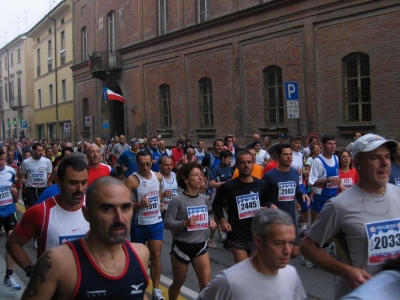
(205, 68)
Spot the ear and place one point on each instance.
(86, 213)
(58, 181)
(257, 240)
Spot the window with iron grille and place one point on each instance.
(273, 95)
(19, 88)
(84, 44)
(64, 90)
(51, 96)
(357, 94)
(204, 10)
(163, 16)
(206, 103)
(40, 98)
(62, 52)
(38, 62)
(165, 104)
(11, 87)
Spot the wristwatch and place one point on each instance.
(28, 270)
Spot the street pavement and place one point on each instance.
(317, 283)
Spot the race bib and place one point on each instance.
(38, 180)
(383, 240)
(287, 191)
(248, 205)
(331, 185)
(62, 239)
(152, 209)
(201, 212)
(347, 182)
(167, 200)
(5, 196)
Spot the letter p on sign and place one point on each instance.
(292, 90)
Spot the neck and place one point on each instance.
(98, 248)
(147, 176)
(327, 155)
(258, 264)
(166, 175)
(94, 166)
(245, 178)
(191, 192)
(216, 154)
(345, 169)
(372, 188)
(282, 168)
(66, 206)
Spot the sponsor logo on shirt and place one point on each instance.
(135, 289)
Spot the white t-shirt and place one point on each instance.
(242, 281)
(37, 171)
(297, 163)
(261, 157)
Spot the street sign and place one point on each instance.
(88, 121)
(67, 127)
(106, 125)
(293, 109)
(292, 91)
(24, 125)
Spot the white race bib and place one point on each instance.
(347, 182)
(287, 191)
(5, 196)
(383, 240)
(153, 208)
(248, 205)
(201, 212)
(167, 200)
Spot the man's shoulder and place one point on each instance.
(8, 169)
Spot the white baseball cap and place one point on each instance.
(370, 142)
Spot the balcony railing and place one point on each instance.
(104, 61)
(16, 103)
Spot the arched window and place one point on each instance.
(206, 103)
(85, 111)
(273, 95)
(356, 86)
(165, 104)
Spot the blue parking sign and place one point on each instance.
(292, 91)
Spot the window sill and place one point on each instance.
(206, 132)
(165, 132)
(350, 129)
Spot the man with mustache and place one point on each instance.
(56, 220)
(103, 264)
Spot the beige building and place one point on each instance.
(16, 89)
(53, 86)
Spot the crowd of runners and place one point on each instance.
(98, 210)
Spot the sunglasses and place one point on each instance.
(148, 164)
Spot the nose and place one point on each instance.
(287, 249)
(119, 216)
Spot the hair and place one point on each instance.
(10, 151)
(79, 155)
(225, 153)
(35, 145)
(267, 138)
(93, 189)
(183, 173)
(179, 142)
(143, 153)
(70, 149)
(227, 137)
(340, 154)
(241, 153)
(200, 141)
(162, 158)
(27, 151)
(264, 219)
(218, 139)
(312, 148)
(327, 137)
(355, 132)
(76, 163)
(295, 138)
(279, 147)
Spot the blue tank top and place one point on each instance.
(330, 189)
(93, 283)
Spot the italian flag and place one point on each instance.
(110, 95)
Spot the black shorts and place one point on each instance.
(185, 252)
(119, 170)
(8, 222)
(32, 195)
(249, 247)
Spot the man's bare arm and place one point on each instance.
(43, 283)
(15, 247)
(312, 251)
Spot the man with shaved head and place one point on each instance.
(96, 168)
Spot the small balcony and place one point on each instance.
(16, 103)
(102, 62)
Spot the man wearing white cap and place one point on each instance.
(364, 220)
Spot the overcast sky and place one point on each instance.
(29, 13)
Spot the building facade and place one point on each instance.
(16, 89)
(206, 68)
(54, 104)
